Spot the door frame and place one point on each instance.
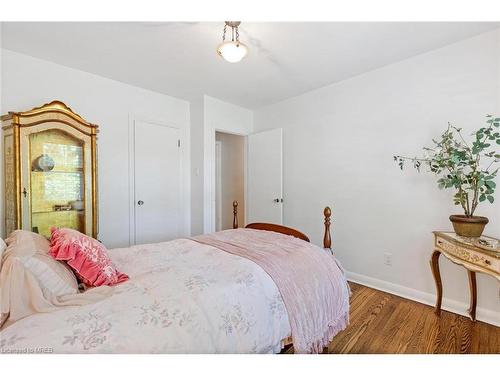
(209, 193)
(131, 172)
(218, 184)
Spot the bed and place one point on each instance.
(199, 295)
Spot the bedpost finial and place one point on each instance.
(235, 214)
(327, 212)
(327, 240)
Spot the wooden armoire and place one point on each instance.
(50, 170)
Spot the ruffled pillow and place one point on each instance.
(86, 256)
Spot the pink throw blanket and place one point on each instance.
(311, 282)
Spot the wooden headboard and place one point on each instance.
(327, 240)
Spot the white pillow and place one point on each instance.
(54, 277)
(33, 282)
(3, 246)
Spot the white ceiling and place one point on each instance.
(179, 59)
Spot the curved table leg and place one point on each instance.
(473, 294)
(437, 278)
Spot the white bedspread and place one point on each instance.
(182, 297)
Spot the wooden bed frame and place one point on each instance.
(287, 343)
(327, 239)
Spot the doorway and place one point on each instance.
(229, 179)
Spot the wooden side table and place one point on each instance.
(467, 253)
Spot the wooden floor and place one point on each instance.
(384, 323)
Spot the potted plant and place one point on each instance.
(468, 167)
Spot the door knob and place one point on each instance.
(140, 203)
(277, 200)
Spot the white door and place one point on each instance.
(265, 177)
(157, 182)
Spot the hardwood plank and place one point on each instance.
(466, 339)
(406, 338)
(429, 342)
(483, 341)
(385, 323)
(449, 335)
(354, 338)
(417, 337)
(384, 339)
(365, 313)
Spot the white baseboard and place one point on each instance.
(484, 315)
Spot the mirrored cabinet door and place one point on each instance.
(57, 181)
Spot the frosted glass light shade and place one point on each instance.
(232, 51)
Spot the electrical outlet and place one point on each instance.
(388, 259)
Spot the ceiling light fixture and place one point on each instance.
(232, 50)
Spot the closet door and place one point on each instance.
(157, 182)
(265, 177)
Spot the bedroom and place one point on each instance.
(319, 125)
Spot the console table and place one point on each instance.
(468, 253)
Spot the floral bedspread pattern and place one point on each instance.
(182, 297)
(311, 282)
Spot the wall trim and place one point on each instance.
(454, 306)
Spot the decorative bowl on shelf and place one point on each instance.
(77, 205)
(43, 163)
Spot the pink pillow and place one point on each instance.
(86, 256)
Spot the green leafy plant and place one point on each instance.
(467, 167)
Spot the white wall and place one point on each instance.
(232, 178)
(209, 115)
(28, 82)
(338, 146)
(197, 172)
(228, 118)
